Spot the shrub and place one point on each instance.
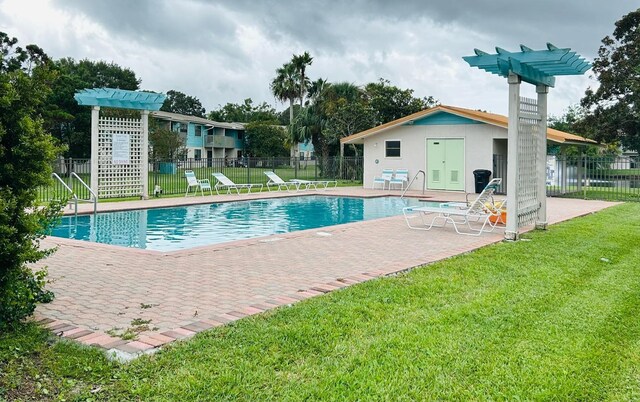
(26, 156)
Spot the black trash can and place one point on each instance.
(482, 178)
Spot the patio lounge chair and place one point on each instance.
(315, 183)
(276, 181)
(192, 181)
(401, 177)
(384, 178)
(223, 182)
(476, 211)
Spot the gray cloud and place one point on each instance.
(226, 51)
(164, 24)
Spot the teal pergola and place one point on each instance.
(120, 98)
(526, 154)
(119, 146)
(537, 67)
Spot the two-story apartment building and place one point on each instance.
(205, 138)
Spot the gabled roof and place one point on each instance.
(194, 119)
(483, 117)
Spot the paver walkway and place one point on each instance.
(101, 288)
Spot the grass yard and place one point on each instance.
(554, 317)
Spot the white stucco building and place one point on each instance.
(446, 142)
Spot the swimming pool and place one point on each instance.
(179, 228)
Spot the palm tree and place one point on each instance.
(285, 86)
(300, 62)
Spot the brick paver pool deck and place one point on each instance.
(100, 288)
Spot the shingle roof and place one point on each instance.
(484, 117)
(194, 119)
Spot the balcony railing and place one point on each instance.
(220, 141)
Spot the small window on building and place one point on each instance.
(198, 130)
(240, 135)
(392, 149)
(197, 154)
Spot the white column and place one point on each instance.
(511, 232)
(541, 221)
(95, 115)
(144, 158)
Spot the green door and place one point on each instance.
(445, 164)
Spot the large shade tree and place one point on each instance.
(389, 102)
(245, 112)
(614, 107)
(64, 118)
(181, 103)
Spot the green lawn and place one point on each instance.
(554, 317)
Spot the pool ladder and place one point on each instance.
(74, 197)
(424, 182)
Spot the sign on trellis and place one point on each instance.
(527, 130)
(119, 146)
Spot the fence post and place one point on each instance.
(248, 169)
(295, 167)
(315, 168)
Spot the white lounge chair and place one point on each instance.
(384, 178)
(315, 183)
(401, 177)
(276, 181)
(223, 182)
(476, 211)
(192, 181)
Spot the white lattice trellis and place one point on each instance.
(120, 179)
(530, 139)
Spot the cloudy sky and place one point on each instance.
(226, 51)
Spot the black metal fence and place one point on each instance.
(169, 174)
(610, 178)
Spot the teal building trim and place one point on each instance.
(442, 119)
(305, 147)
(194, 141)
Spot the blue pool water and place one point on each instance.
(179, 228)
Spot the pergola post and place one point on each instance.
(95, 116)
(145, 154)
(541, 221)
(511, 231)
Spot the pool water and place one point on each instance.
(179, 228)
